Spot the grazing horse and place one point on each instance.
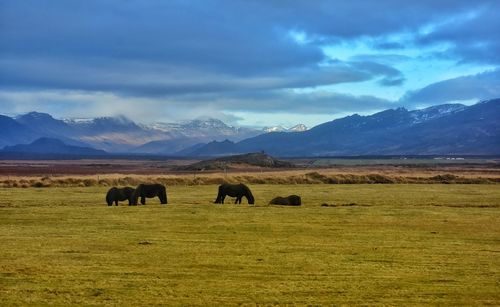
(149, 191)
(234, 190)
(116, 194)
(292, 200)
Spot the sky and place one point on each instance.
(247, 62)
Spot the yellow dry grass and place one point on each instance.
(302, 176)
(399, 244)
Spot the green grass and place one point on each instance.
(399, 245)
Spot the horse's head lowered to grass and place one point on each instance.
(234, 190)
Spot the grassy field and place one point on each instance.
(397, 245)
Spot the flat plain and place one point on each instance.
(375, 244)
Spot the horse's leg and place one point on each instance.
(218, 200)
(134, 197)
(160, 197)
(143, 200)
(116, 202)
(222, 199)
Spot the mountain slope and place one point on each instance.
(113, 134)
(45, 124)
(52, 146)
(215, 148)
(169, 146)
(13, 132)
(181, 136)
(445, 129)
(473, 130)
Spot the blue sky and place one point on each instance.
(254, 63)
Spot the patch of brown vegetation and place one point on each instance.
(277, 177)
(106, 173)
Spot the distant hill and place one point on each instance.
(49, 146)
(445, 129)
(238, 161)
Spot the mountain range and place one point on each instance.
(439, 130)
(118, 134)
(449, 129)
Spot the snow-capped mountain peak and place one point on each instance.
(279, 128)
(275, 129)
(420, 116)
(298, 128)
(208, 123)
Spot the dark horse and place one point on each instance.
(149, 191)
(115, 195)
(234, 190)
(292, 200)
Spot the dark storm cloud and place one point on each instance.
(390, 75)
(473, 38)
(318, 103)
(231, 51)
(477, 87)
(156, 79)
(278, 101)
(394, 81)
(200, 34)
